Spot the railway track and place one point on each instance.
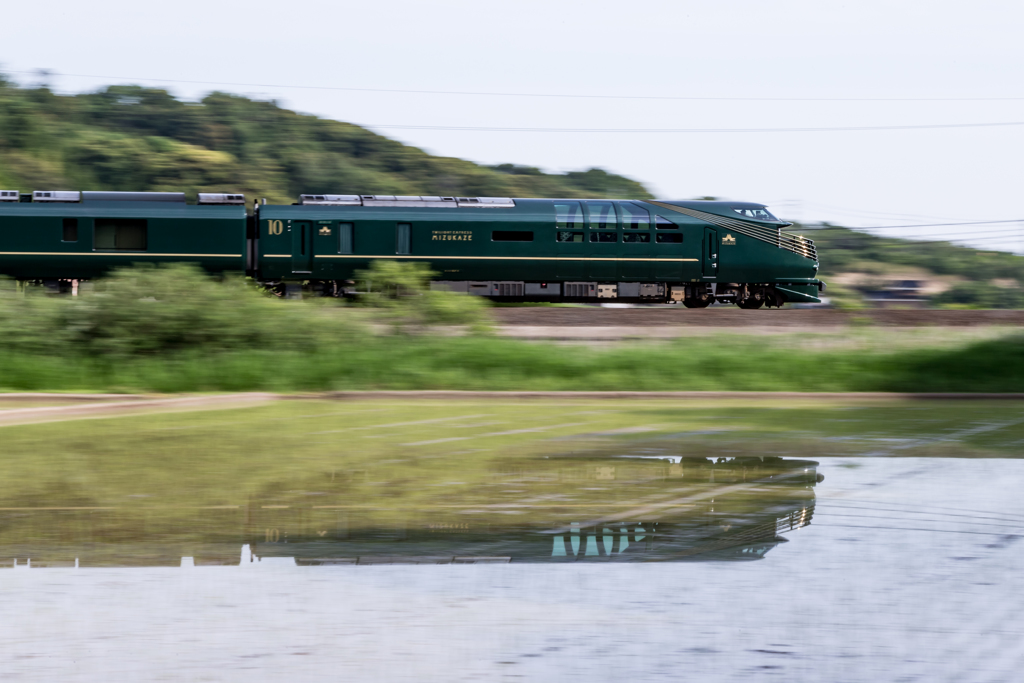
(728, 316)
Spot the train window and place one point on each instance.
(602, 215)
(756, 214)
(512, 236)
(604, 237)
(670, 237)
(636, 237)
(568, 215)
(662, 223)
(345, 238)
(567, 236)
(70, 230)
(635, 218)
(120, 234)
(403, 238)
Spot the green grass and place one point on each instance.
(156, 487)
(278, 451)
(725, 362)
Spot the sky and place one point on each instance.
(692, 98)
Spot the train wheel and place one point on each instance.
(750, 303)
(698, 303)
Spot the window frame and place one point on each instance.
(590, 218)
(66, 225)
(506, 236)
(579, 208)
(118, 224)
(349, 229)
(403, 239)
(635, 208)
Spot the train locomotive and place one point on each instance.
(691, 252)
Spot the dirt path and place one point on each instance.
(136, 405)
(729, 316)
(125, 405)
(641, 395)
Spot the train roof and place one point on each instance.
(310, 206)
(123, 210)
(747, 211)
(120, 204)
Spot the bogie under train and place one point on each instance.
(690, 252)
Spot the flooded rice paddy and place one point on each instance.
(429, 541)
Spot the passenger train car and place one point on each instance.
(693, 252)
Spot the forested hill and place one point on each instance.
(133, 138)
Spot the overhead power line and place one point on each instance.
(927, 225)
(476, 93)
(955, 238)
(808, 129)
(964, 235)
(875, 215)
(1007, 239)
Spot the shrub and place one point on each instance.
(980, 295)
(152, 310)
(404, 290)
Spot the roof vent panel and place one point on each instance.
(168, 197)
(56, 196)
(406, 202)
(9, 196)
(487, 202)
(221, 198)
(329, 200)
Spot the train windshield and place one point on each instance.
(757, 214)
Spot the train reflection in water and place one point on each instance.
(572, 508)
(732, 509)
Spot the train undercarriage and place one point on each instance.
(695, 295)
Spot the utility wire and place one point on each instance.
(514, 129)
(475, 93)
(961, 235)
(924, 225)
(1005, 238)
(953, 238)
(888, 215)
(966, 240)
(665, 131)
(953, 235)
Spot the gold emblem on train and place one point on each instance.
(450, 235)
(728, 239)
(325, 230)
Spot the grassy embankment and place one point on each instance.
(175, 330)
(710, 364)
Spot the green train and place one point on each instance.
(690, 252)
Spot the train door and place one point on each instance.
(710, 258)
(602, 241)
(302, 247)
(326, 240)
(670, 245)
(570, 244)
(636, 243)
